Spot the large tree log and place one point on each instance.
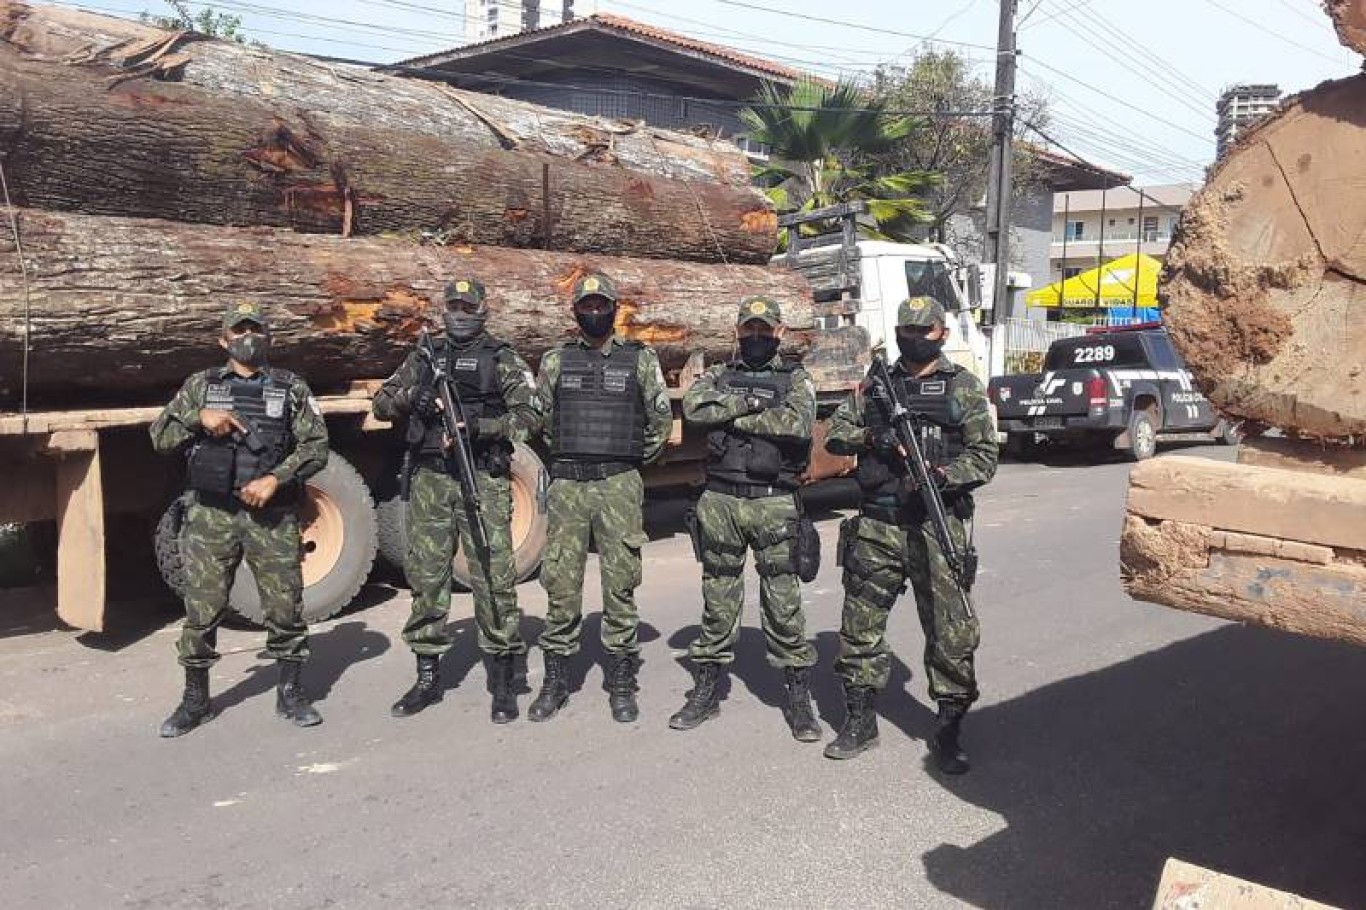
(1252, 544)
(120, 309)
(1349, 17)
(1265, 281)
(141, 147)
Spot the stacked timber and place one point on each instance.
(160, 175)
(1264, 293)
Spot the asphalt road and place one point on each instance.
(1111, 735)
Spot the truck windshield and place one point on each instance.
(1103, 351)
(931, 278)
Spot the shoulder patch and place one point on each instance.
(313, 406)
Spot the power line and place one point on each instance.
(1078, 4)
(853, 25)
(1109, 96)
(1270, 31)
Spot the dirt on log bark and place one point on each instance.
(1265, 282)
(155, 149)
(121, 309)
(1349, 17)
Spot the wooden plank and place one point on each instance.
(1266, 501)
(80, 541)
(67, 442)
(1192, 568)
(1303, 455)
(1185, 886)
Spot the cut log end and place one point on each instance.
(1349, 18)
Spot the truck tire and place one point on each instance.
(339, 540)
(1142, 435)
(1022, 446)
(529, 479)
(1229, 432)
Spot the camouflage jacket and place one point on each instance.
(178, 424)
(658, 410)
(519, 394)
(706, 404)
(976, 466)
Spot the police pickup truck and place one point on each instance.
(1123, 388)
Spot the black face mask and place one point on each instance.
(461, 327)
(918, 348)
(597, 325)
(250, 349)
(757, 350)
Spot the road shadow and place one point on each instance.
(333, 653)
(1240, 750)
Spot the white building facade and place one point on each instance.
(1239, 107)
(489, 19)
(1092, 227)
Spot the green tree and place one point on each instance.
(824, 139)
(207, 21)
(945, 85)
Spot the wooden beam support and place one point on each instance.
(80, 538)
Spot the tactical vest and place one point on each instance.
(940, 428)
(599, 407)
(474, 373)
(734, 456)
(224, 464)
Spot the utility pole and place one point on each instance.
(999, 167)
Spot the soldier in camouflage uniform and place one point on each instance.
(254, 434)
(606, 412)
(759, 412)
(892, 540)
(495, 388)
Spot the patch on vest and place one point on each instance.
(938, 387)
(615, 380)
(275, 403)
(467, 364)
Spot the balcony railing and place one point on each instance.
(1119, 235)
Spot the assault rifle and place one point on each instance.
(457, 431)
(962, 563)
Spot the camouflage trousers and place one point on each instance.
(437, 522)
(729, 527)
(213, 542)
(878, 560)
(607, 512)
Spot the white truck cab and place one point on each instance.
(860, 283)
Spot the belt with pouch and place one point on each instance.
(589, 470)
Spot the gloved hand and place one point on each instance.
(884, 440)
(422, 401)
(485, 428)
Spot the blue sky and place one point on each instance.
(1133, 84)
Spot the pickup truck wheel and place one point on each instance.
(1142, 436)
(529, 521)
(1230, 432)
(1022, 446)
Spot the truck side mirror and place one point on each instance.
(974, 283)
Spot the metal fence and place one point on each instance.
(1019, 345)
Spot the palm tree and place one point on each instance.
(824, 136)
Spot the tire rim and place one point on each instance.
(523, 508)
(323, 533)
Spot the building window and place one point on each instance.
(1131, 221)
(1070, 271)
(1075, 230)
(1150, 228)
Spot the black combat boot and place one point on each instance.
(502, 673)
(798, 712)
(622, 688)
(426, 691)
(859, 733)
(291, 701)
(703, 702)
(948, 751)
(194, 706)
(554, 689)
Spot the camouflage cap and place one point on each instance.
(761, 308)
(594, 284)
(244, 311)
(921, 312)
(467, 290)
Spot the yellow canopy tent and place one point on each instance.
(1129, 281)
